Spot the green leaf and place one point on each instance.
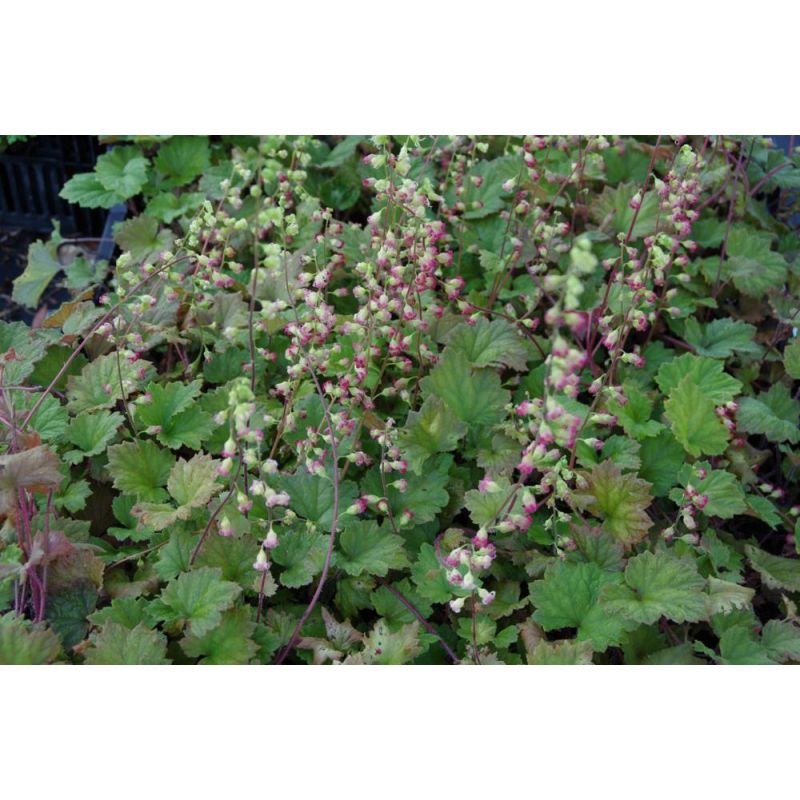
(597, 547)
(122, 171)
(141, 238)
(680, 654)
(565, 653)
(167, 207)
(567, 597)
(82, 273)
(709, 232)
(165, 400)
(425, 495)
(73, 495)
(483, 631)
(190, 428)
(475, 396)
(775, 572)
(619, 500)
(302, 555)
(721, 338)
(11, 566)
(141, 468)
(312, 496)
(739, 645)
(342, 189)
(775, 414)
(342, 153)
(48, 366)
(694, 422)
(752, 266)
(483, 507)
(191, 485)
(488, 344)
(183, 158)
(488, 197)
(50, 419)
(497, 453)
(740, 616)
(781, 640)
(41, 268)
(86, 190)
(234, 556)
(229, 642)
(76, 318)
(430, 577)
(173, 415)
(24, 643)
(174, 556)
(725, 496)
(624, 452)
(389, 606)
(68, 609)
(28, 347)
(431, 430)
(353, 594)
(707, 373)
(658, 585)
(366, 547)
(90, 434)
(506, 637)
(197, 599)
(225, 366)
(98, 385)
(125, 611)
(661, 458)
(634, 416)
(615, 203)
(118, 644)
(765, 510)
(791, 359)
(491, 262)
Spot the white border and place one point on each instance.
(443, 66)
(417, 66)
(647, 733)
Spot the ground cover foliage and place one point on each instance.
(410, 400)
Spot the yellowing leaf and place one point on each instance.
(98, 386)
(118, 644)
(191, 484)
(23, 643)
(619, 500)
(776, 572)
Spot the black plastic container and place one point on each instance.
(32, 174)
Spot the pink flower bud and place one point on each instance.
(261, 563)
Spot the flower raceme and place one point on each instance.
(408, 399)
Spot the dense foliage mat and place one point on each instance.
(399, 400)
